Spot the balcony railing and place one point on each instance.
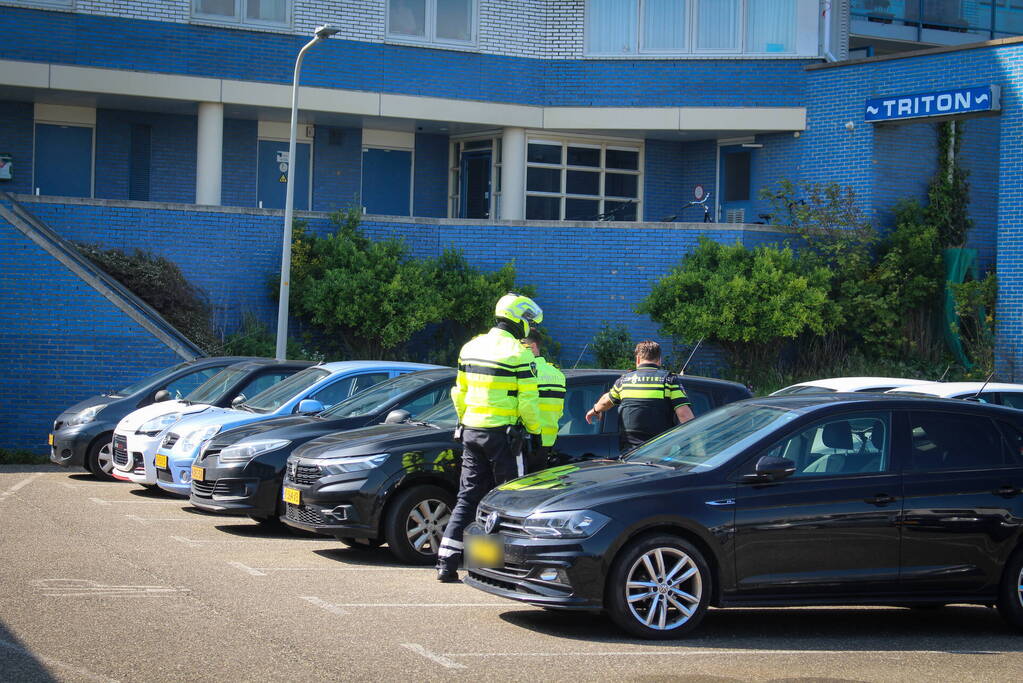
(927, 20)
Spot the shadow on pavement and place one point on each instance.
(154, 492)
(83, 476)
(961, 629)
(17, 663)
(255, 530)
(379, 557)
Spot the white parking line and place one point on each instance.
(323, 604)
(78, 671)
(263, 571)
(439, 659)
(103, 501)
(200, 541)
(247, 569)
(84, 588)
(147, 520)
(20, 485)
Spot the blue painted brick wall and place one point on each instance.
(16, 135)
(238, 176)
(51, 319)
(979, 157)
(337, 168)
(430, 193)
(905, 159)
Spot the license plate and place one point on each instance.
(161, 461)
(484, 551)
(293, 496)
(198, 473)
(51, 439)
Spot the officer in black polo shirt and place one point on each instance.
(649, 399)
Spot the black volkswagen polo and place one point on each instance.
(397, 482)
(244, 466)
(816, 500)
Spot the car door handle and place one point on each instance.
(880, 499)
(1007, 492)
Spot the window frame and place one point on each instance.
(239, 18)
(430, 38)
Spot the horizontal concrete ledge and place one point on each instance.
(918, 53)
(398, 220)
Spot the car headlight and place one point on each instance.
(345, 465)
(191, 440)
(158, 424)
(247, 451)
(568, 524)
(84, 417)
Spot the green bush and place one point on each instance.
(747, 302)
(160, 283)
(613, 347)
(254, 338)
(22, 456)
(975, 307)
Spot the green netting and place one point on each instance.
(958, 264)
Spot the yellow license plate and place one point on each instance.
(198, 473)
(161, 461)
(293, 496)
(484, 551)
(51, 439)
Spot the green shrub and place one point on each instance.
(22, 456)
(254, 338)
(613, 347)
(975, 307)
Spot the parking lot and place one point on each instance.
(106, 581)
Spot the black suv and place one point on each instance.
(840, 499)
(397, 482)
(82, 434)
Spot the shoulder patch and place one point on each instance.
(532, 368)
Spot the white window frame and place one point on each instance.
(603, 144)
(692, 34)
(239, 18)
(431, 39)
(46, 4)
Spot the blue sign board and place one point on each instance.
(940, 103)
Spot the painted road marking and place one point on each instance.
(147, 520)
(263, 571)
(20, 485)
(78, 671)
(79, 588)
(245, 568)
(199, 541)
(103, 501)
(439, 659)
(323, 604)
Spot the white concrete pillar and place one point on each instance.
(210, 153)
(513, 174)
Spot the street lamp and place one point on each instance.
(321, 33)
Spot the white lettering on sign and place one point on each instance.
(963, 100)
(282, 157)
(905, 106)
(926, 100)
(944, 102)
(888, 104)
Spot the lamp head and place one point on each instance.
(325, 31)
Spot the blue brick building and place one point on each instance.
(481, 124)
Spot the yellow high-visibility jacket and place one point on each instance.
(496, 383)
(551, 384)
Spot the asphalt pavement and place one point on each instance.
(110, 582)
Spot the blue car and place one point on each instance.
(309, 391)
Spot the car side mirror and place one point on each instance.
(238, 400)
(770, 468)
(161, 395)
(397, 417)
(309, 405)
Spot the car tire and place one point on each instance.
(100, 458)
(415, 523)
(1010, 593)
(659, 587)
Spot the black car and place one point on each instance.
(800, 500)
(82, 434)
(244, 466)
(397, 482)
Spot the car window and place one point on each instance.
(852, 444)
(335, 393)
(183, 386)
(699, 401)
(154, 379)
(802, 389)
(426, 401)
(946, 441)
(273, 398)
(264, 382)
(363, 382)
(1013, 440)
(578, 401)
(1012, 399)
(368, 401)
(213, 389)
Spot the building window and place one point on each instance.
(245, 12)
(47, 4)
(578, 180)
(441, 22)
(626, 27)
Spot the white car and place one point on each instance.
(847, 384)
(1010, 395)
(138, 434)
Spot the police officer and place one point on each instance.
(495, 390)
(551, 386)
(649, 399)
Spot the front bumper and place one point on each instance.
(346, 509)
(136, 464)
(579, 565)
(176, 478)
(241, 488)
(71, 444)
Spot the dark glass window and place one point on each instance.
(581, 209)
(627, 210)
(737, 176)
(621, 185)
(543, 208)
(1013, 443)
(540, 153)
(946, 441)
(583, 182)
(627, 160)
(543, 179)
(583, 156)
(854, 444)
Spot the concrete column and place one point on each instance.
(513, 174)
(210, 153)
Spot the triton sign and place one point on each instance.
(941, 103)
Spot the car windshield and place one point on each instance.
(279, 394)
(802, 389)
(368, 400)
(158, 378)
(442, 415)
(213, 389)
(712, 439)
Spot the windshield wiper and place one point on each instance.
(651, 464)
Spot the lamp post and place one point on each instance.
(321, 33)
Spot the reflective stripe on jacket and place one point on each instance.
(647, 398)
(551, 383)
(496, 383)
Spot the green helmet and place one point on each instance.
(519, 309)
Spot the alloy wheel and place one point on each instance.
(663, 588)
(425, 525)
(105, 460)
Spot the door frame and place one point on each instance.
(463, 180)
(299, 141)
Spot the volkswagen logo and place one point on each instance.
(490, 522)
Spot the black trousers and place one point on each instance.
(487, 461)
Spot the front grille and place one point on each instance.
(506, 524)
(219, 487)
(165, 475)
(120, 448)
(489, 580)
(203, 488)
(306, 474)
(300, 513)
(209, 452)
(170, 440)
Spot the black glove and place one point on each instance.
(536, 441)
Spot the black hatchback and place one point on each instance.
(397, 482)
(841, 499)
